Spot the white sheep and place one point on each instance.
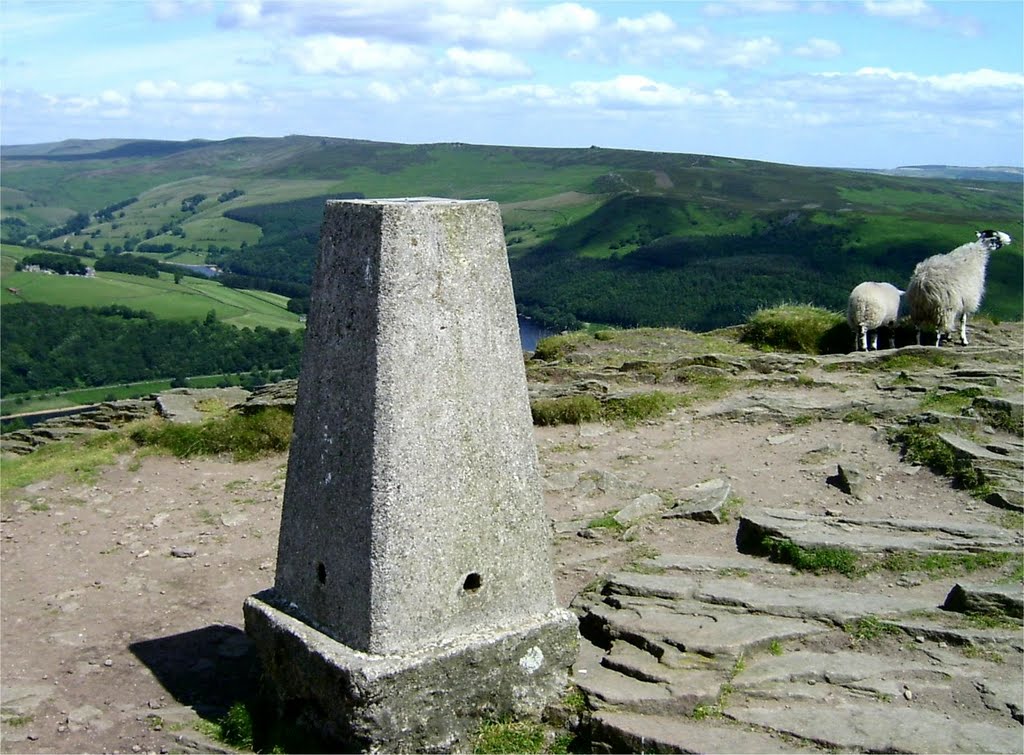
(945, 288)
(872, 306)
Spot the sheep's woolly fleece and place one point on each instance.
(946, 288)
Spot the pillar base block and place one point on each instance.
(431, 701)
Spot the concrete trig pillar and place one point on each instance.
(414, 594)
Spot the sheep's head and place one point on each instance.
(992, 240)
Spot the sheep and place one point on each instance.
(944, 289)
(872, 306)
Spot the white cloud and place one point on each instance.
(209, 91)
(489, 63)
(113, 98)
(748, 7)
(819, 49)
(216, 90)
(384, 92)
(453, 87)
(167, 10)
(241, 13)
(650, 23)
(517, 28)
(630, 90)
(749, 53)
(897, 8)
(981, 79)
(351, 55)
(153, 90)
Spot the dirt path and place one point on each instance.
(122, 600)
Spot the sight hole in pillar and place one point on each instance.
(321, 573)
(472, 583)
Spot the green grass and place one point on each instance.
(639, 407)
(192, 298)
(575, 410)
(244, 436)
(569, 410)
(510, 737)
(949, 402)
(900, 362)
(556, 347)
(78, 460)
(798, 328)
(37, 401)
(943, 564)
(817, 560)
(607, 522)
(870, 628)
(922, 445)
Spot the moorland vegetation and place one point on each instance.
(619, 237)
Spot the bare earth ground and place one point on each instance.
(122, 600)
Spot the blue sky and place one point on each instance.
(850, 84)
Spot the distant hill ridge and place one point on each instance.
(628, 237)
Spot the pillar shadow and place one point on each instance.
(216, 667)
(208, 669)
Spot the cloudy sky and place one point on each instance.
(879, 83)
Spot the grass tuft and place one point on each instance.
(640, 406)
(797, 327)
(554, 347)
(870, 628)
(817, 560)
(244, 436)
(510, 736)
(570, 410)
(575, 410)
(922, 445)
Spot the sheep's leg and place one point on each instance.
(918, 336)
(892, 338)
(963, 328)
(863, 338)
(874, 340)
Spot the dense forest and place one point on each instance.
(49, 346)
(659, 278)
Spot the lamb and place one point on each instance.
(872, 306)
(946, 288)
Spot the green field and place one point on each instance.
(40, 401)
(190, 299)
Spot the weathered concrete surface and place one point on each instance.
(414, 594)
(431, 700)
(413, 494)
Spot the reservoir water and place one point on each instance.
(530, 332)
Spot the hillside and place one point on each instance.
(619, 236)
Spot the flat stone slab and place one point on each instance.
(629, 732)
(970, 449)
(871, 535)
(695, 628)
(740, 565)
(822, 604)
(841, 668)
(184, 405)
(880, 727)
(986, 599)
